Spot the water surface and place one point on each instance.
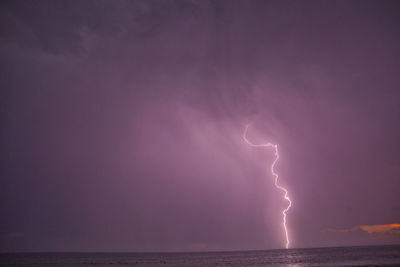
(338, 256)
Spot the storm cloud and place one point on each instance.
(122, 123)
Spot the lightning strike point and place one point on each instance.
(284, 190)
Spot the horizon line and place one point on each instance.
(198, 251)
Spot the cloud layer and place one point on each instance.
(122, 123)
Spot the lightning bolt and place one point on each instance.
(286, 195)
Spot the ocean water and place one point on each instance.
(338, 256)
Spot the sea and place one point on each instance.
(336, 256)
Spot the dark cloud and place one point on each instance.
(122, 123)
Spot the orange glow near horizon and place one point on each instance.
(393, 228)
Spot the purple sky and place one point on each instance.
(122, 123)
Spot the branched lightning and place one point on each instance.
(286, 196)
